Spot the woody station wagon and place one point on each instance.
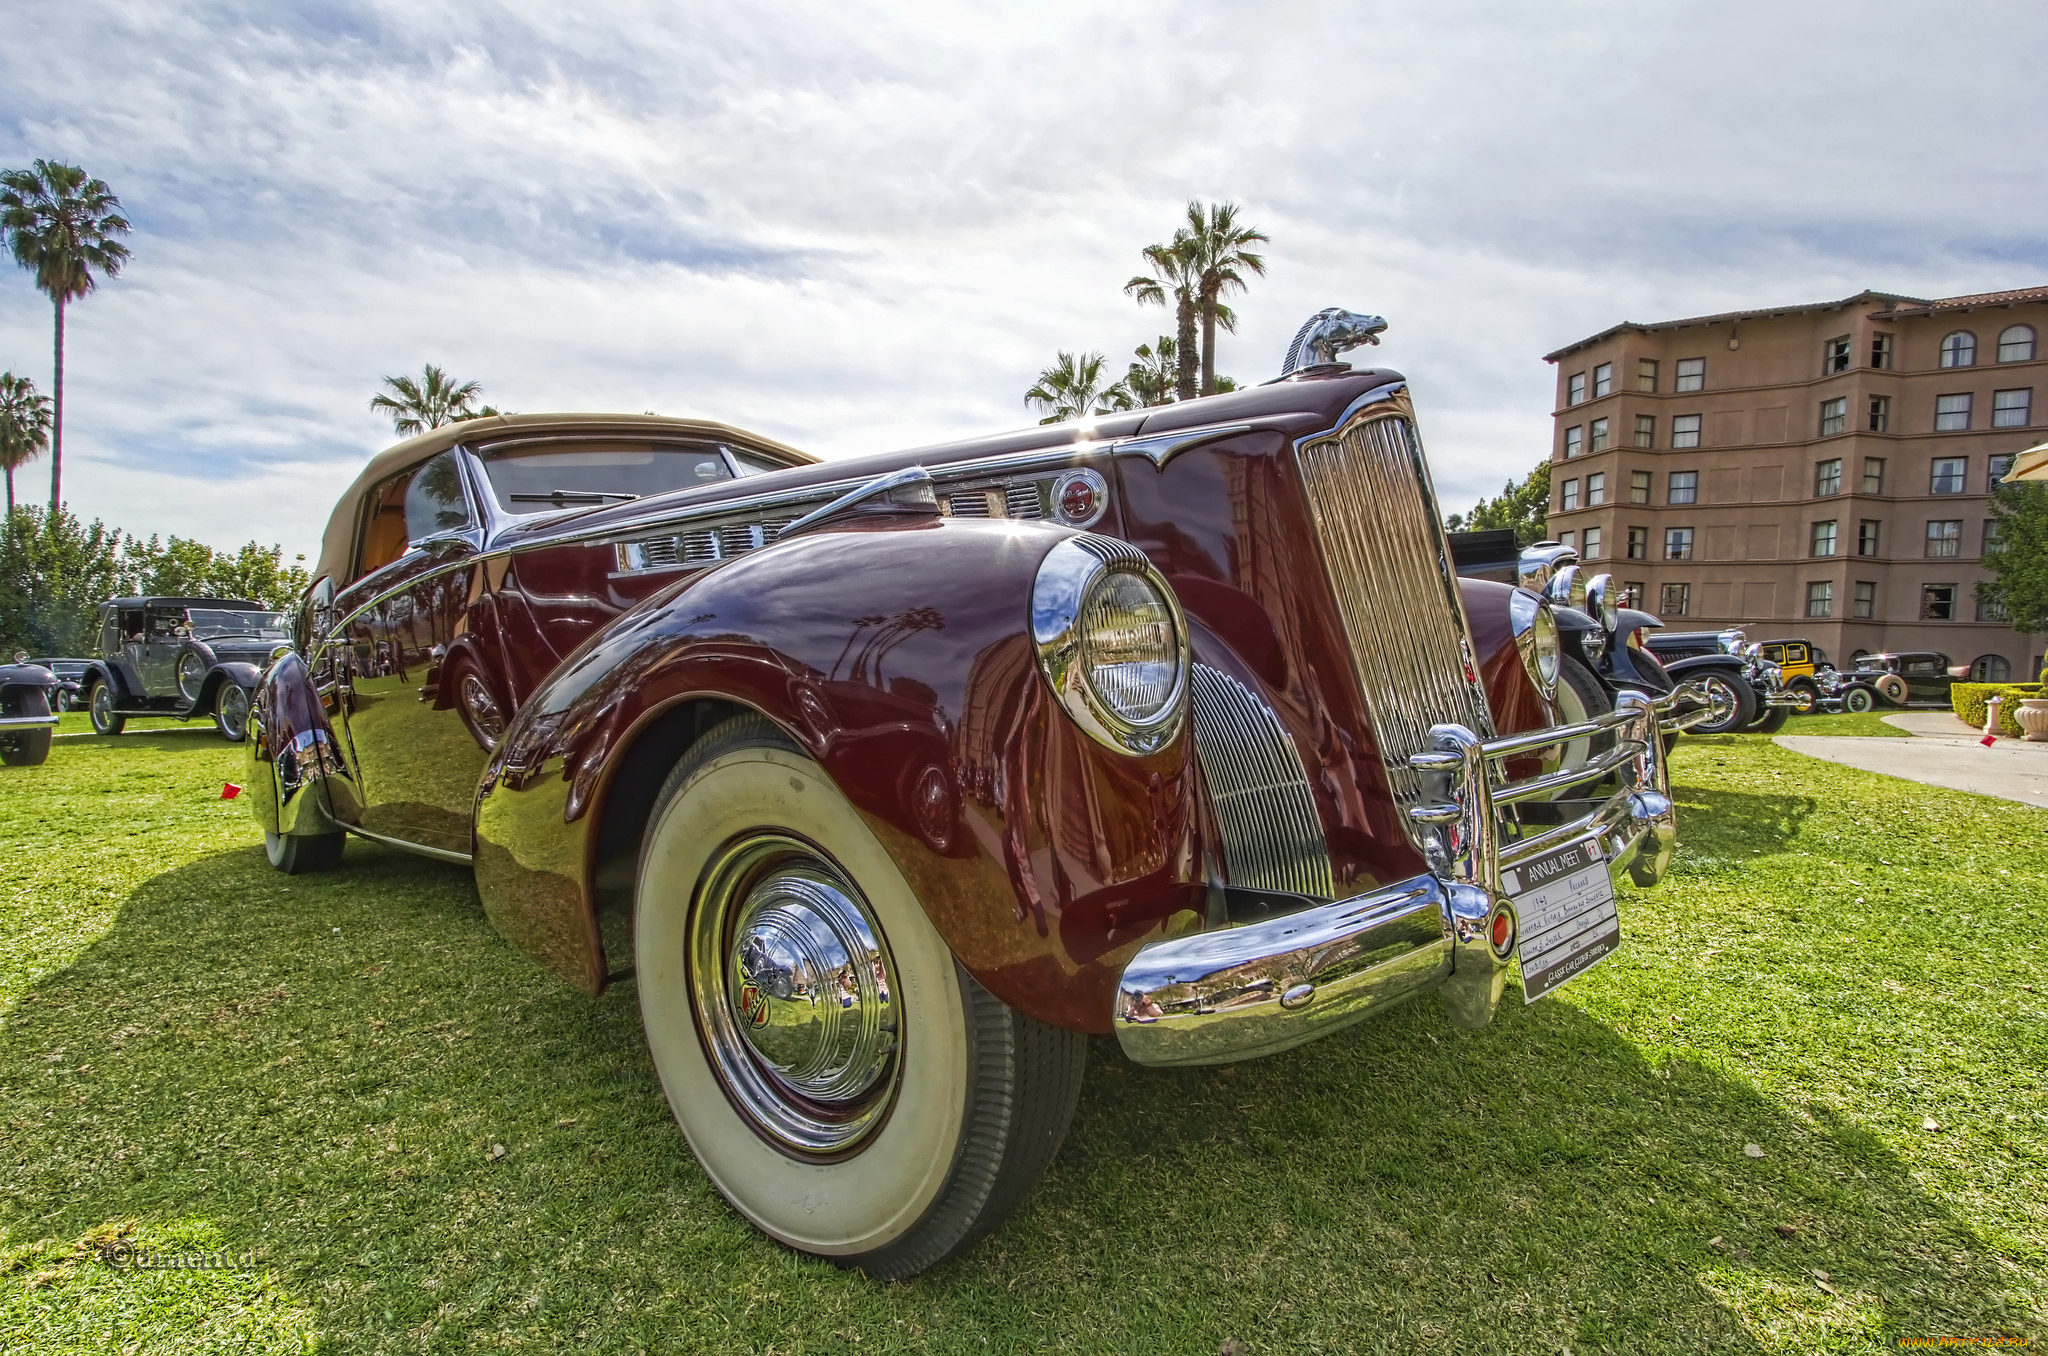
(888, 781)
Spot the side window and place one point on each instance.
(167, 623)
(132, 627)
(435, 502)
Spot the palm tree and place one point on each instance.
(24, 426)
(1216, 246)
(62, 227)
(1173, 275)
(1151, 379)
(1072, 389)
(435, 399)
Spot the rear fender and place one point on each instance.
(234, 671)
(899, 657)
(99, 670)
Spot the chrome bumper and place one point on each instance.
(1256, 990)
(27, 722)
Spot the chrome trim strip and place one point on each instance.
(1164, 447)
(438, 854)
(1272, 836)
(25, 722)
(886, 484)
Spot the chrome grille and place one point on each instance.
(701, 546)
(1272, 839)
(1388, 566)
(1021, 501)
(972, 504)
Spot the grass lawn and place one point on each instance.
(313, 1075)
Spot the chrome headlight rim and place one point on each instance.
(1067, 578)
(1601, 604)
(1535, 630)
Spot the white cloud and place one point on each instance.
(861, 227)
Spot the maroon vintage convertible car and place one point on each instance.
(889, 780)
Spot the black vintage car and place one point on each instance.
(26, 718)
(1735, 671)
(69, 694)
(180, 657)
(1906, 678)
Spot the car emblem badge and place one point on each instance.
(754, 1005)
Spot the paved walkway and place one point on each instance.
(1942, 752)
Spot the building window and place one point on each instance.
(1947, 475)
(1568, 540)
(1574, 442)
(1568, 496)
(1834, 356)
(1824, 538)
(1991, 610)
(1827, 476)
(1596, 488)
(1834, 416)
(1575, 389)
(1990, 536)
(1863, 603)
(1646, 375)
(1603, 380)
(1990, 668)
(1632, 593)
(2016, 345)
(1959, 350)
(2001, 465)
(2012, 409)
(1639, 543)
(1638, 487)
(1598, 430)
(1646, 430)
(1937, 602)
(1685, 430)
(1678, 543)
(1676, 600)
(1684, 488)
(1880, 413)
(1881, 352)
(1820, 598)
(1591, 550)
(1951, 412)
(1866, 537)
(1944, 538)
(1873, 475)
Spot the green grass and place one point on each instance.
(311, 1074)
(1844, 723)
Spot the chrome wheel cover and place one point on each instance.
(191, 674)
(482, 709)
(102, 707)
(232, 710)
(1721, 699)
(793, 989)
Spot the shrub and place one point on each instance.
(1968, 699)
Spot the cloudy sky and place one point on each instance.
(854, 227)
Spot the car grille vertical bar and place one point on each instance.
(1388, 565)
(1272, 839)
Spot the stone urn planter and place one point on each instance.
(2033, 719)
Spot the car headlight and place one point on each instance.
(1112, 642)
(1536, 637)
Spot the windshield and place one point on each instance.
(543, 478)
(207, 622)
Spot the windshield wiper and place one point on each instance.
(570, 497)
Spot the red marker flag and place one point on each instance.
(1988, 740)
(229, 791)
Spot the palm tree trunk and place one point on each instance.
(10, 492)
(1184, 341)
(1209, 339)
(57, 434)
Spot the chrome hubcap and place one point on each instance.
(1721, 701)
(793, 987)
(234, 707)
(483, 711)
(102, 706)
(190, 673)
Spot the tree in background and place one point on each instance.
(1175, 277)
(2017, 554)
(182, 566)
(1151, 379)
(1217, 246)
(63, 227)
(435, 399)
(1072, 388)
(24, 425)
(54, 573)
(1523, 505)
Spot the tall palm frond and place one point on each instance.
(1151, 379)
(24, 426)
(1218, 245)
(1072, 389)
(435, 399)
(64, 228)
(1175, 276)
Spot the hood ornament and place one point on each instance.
(1329, 332)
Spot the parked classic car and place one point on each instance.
(26, 719)
(69, 694)
(889, 780)
(1731, 669)
(1905, 678)
(180, 657)
(1800, 663)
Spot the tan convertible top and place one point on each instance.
(339, 539)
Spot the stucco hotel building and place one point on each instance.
(1819, 471)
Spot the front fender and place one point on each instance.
(1682, 669)
(234, 671)
(899, 657)
(296, 781)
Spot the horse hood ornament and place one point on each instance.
(1329, 332)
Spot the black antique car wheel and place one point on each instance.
(296, 854)
(1733, 702)
(842, 1080)
(192, 668)
(101, 706)
(231, 712)
(1859, 699)
(29, 748)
